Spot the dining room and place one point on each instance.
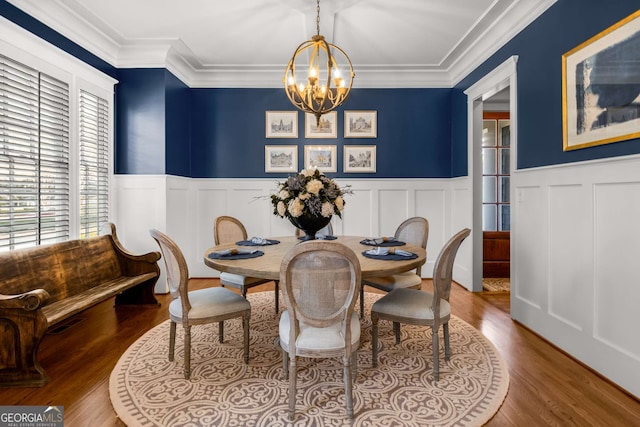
(189, 145)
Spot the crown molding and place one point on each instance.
(173, 55)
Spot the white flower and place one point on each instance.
(283, 194)
(314, 186)
(282, 208)
(327, 209)
(296, 206)
(308, 172)
(304, 196)
(339, 203)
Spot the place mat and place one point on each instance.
(390, 257)
(320, 238)
(253, 254)
(381, 242)
(266, 242)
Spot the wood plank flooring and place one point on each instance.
(548, 388)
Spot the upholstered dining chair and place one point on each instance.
(228, 229)
(197, 307)
(417, 307)
(415, 231)
(320, 281)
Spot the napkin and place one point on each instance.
(259, 241)
(380, 240)
(388, 251)
(231, 252)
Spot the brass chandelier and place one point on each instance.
(323, 88)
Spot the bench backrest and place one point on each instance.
(62, 269)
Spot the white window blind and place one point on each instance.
(94, 163)
(34, 157)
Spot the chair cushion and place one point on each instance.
(310, 338)
(409, 303)
(236, 280)
(408, 279)
(210, 302)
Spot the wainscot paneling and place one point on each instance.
(186, 208)
(575, 262)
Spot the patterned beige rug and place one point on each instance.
(148, 390)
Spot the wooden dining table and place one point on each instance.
(267, 266)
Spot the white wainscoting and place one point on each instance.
(575, 262)
(185, 209)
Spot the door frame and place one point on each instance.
(505, 75)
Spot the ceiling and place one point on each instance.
(247, 43)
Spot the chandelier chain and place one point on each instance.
(318, 18)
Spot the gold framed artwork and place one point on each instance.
(359, 158)
(360, 124)
(281, 124)
(281, 158)
(321, 157)
(328, 127)
(600, 91)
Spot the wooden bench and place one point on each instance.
(44, 285)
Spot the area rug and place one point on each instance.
(496, 284)
(148, 390)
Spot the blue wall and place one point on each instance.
(140, 122)
(540, 47)
(228, 131)
(178, 126)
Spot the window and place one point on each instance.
(94, 163)
(496, 208)
(34, 157)
(54, 154)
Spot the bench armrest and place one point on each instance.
(134, 264)
(29, 301)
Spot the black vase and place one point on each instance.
(310, 225)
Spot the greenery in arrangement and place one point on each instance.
(309, 193)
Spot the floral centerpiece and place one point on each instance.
(309, 199)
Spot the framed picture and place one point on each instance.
(600, 89)
(281, 124)
(281, 158)
(359, 158)
(328, 127)
(360, 124)
(321, 157)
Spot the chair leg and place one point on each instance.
(396, 331)
(354, 364)
(245, 326)
(447, 349)
(362, 302)
(285, 364)
(347, 385)
(292, 387)
(277, 290)
(172, 340)
(187, 352)
(374, 340)
(436, 352)
(221, 332)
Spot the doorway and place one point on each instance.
(502, 78)
(496, 202)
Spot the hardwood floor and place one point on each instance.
(547, 387)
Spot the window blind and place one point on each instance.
(34, 157)
(94, 163)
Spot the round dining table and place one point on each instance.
(267, 266)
